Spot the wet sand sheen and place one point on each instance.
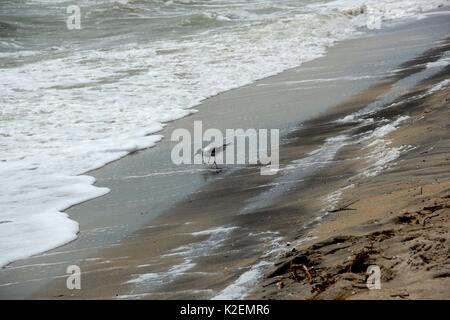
(222, 243)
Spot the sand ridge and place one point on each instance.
(398, 220)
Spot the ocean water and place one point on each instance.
(74, 100)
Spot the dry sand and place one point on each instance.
(398, 220)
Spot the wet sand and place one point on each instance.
(178, 232)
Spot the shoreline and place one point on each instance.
(140, 241)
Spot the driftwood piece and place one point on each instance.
(344, 208)
(428, 218)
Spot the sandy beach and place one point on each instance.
(364, 180)
(397, 220)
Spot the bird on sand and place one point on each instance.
(212, 151)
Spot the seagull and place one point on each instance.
(212, 151)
